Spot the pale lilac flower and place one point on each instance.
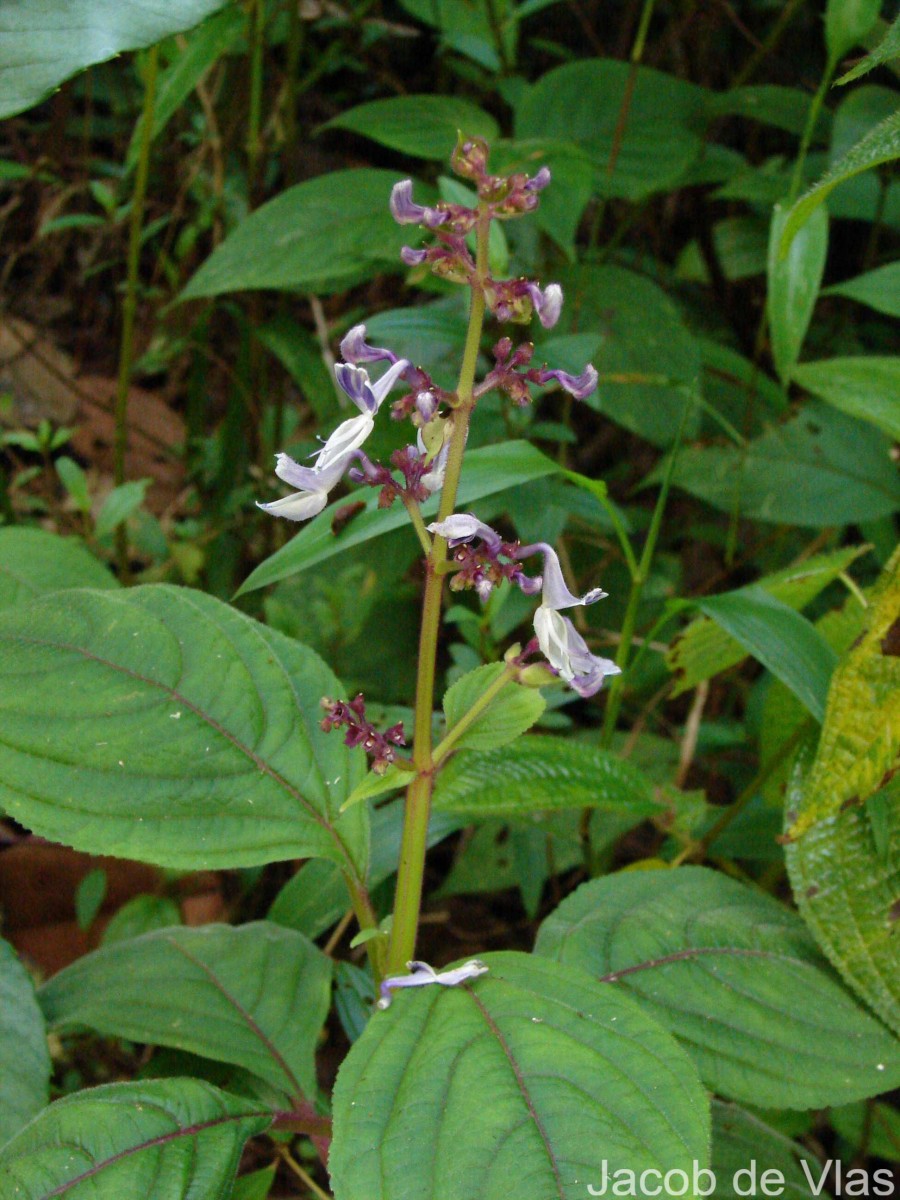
(421, 975)
(426, 405)
(355, 348)
(314, 483)
(568, 653)
(465, 527)
(433, 479)
(413, 258)
(405, 211)
(578, 386)
(556, 593)
(547, 303)
(538, 181)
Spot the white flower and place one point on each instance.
(314, 483)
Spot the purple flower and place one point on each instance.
(413, 258)
(556, 593)
(567, 652)
(538, 182)
(421, 975)
(578, 386)
(332, 460)
(547, 303)
(355, 348)
(405, 211)
(465, 527)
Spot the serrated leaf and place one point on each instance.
(320, 235)
(704, 648)
(886, 50)
(785, 642)
(735, 977)
(543, 773)
(423, 126)
(510, 713)
(793, 282)
(880, 145)
(507, 1079)
(378, 783)
(860, 738)
(46, 41)
(866, 386)
(162, 725)
(487, 471)
(741, 1139)
(33, 561)
(24, 1059)
(256, 996)
(175, 1138)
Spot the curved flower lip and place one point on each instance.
(355, 348)
(405, 211)
(538, 181)
(367, 396)
(465, 527)
(547, 303)
(421, 975)
(568, 653)
(556, 593)
(579, 386)
(299, 506)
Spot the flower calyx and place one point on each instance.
(351, 715)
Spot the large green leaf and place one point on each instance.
(527, 1078)
(423, 126)
(780, 638)
(169, 1139)
(162, 725)
(33, 561)
(256, 995)
(24, 1060)
(646, 358)
(880, 145)
(743, 1143)
(705, 647)
(582, 103)
(487, 471)
(540, 774)
(46, 41)
(320, 236)
(821, 467)
(867, 386)
(735, 976)
(793, 285)
(512, 711)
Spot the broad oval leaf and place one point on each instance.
(541, 774)
(512, 711)
(846, 23)
(24, 1058)
(487, 471)
(793, 285)
(33, 561)
(159, 724)
(321, 235)
(46, 41)
(175, 1138)
(528, 1077)
(735, 976)
(423, 126)
(866, 386)
(739, 1139)
(256, 996)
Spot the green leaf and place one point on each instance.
(119, 505)
(378, 783)
(511, 712)
(321, 235)
(562, 205)
(46, 41)
(543, 773)
(421, 126)
(256, 1185)
(861, 733)
(793, 285)
(820, 467)
(846, 23)
(24, 1059)
(581, 103)
(487, 471)
(89, 897)
(256, 996)
(141, 914)
(735, 977)
(33, 561)
(175, 1138)
(880, 145)
(646, 358)
(867, 387)
(705, 648)
(533, 1073)
(74, 481)
(742, 1142)
(886, 50)
(786, 108)
(879, 289)
(162, 725)
(785, 642)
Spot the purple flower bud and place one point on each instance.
(538, 182)
(405, 211)
(413, 258)
(426, 405)
(355, 349)
(578, 386)
(547, 303)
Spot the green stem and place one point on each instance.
(129, 303)
(452, 737)
(638, 579)
(418, 523)
(367, 918)
(257, 39)
(812, 117)
(408, 898)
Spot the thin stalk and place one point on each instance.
(418, 523)
(408, 898)
(811, 117)
(638, 580)
(257, 37)
(129, 303)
